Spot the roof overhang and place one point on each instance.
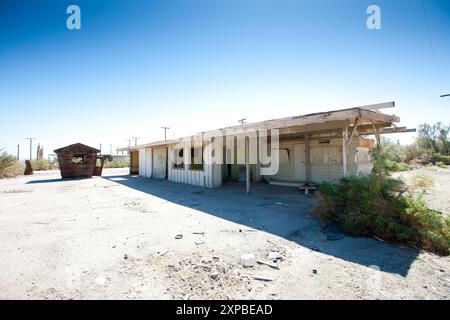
(367, 115)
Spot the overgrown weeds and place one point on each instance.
(376, 205)
(9, 166)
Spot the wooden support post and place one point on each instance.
(345, 149)
(307, 163)
(354, 130)
(376, 131)
(247, 165)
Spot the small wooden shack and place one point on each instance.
(79, 160)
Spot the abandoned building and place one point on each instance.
(79, 160)
(311, 149)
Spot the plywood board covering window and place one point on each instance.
(325, 155)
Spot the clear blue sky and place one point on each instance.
(196, 65)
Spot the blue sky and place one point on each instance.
(196, 65)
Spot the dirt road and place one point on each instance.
(135, 238)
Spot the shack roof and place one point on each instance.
(76, 148)
(367, 112)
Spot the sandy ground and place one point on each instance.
(437, 196)
(115, 237)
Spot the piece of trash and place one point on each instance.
(202, 233)
(125, 256)
(199, 242)
(248, 260)
(214, 275)
(274, 244)
(281, 204)
(257, 278)
(379, 239)
(314, 271)
(178, 236)
(274, 256)
(102, 281)
(273, 265)
(162, 254)
(334, 237)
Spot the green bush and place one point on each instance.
(116, 164)
(9, 166)
(43, 164)
(384, 163)
(441, 164)
(374, 205)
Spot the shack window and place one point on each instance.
(196, 159)
(178, 158)
(78, 159)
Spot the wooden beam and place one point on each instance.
(354, 129)
(377, 136)
(378, 106)
(371, 115)
(247, 165)
(344, 149)
(307, 164)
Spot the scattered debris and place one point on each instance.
(314, 271)
(163, 253)
(214, 275)
(125, 256)
(102, 281)
(334, 237)
(261, 278)
(199, 242)
(273, 265)
(274, 244)
(248, 260)
(178, 236)
(201, 233)
(281, 204)
(197, 276)
(274, 256)
(16, 191)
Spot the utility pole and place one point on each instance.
(165, 132)
(242, 121)
(135, 140)
(31, 147)
(100, 148)
(18, 151)
(129, 145)
(110, 149)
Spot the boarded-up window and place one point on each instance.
(334, 155)
(316, 156)
(326, 155)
